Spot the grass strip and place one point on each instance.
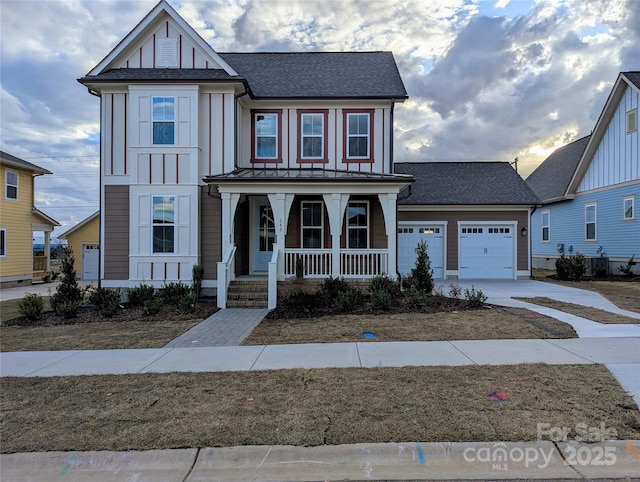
(587, 312)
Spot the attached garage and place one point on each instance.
(486, 251)
(484, 232)
(90, 261)
(410, 235)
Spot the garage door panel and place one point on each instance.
(90, 260)
(408, 239)
(486, 251)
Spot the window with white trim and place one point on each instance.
(3, 243)
(546, 226)
(632, 121)
(628, 205)
(164, 118)
(163, 219)
(358, 225)
(11, 185)
(266, 136)
(312, 224)
(590, 223)
(358, 136)
(313, 132)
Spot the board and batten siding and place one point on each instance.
(115, 242)
(618, 238)
(616, 159)
(210, 234)
(453, 217)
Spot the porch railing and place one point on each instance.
(354, 263)
(225, 275)
(39, 263)
(316, 263)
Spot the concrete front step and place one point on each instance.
(248, 294)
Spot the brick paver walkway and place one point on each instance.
(225, 328)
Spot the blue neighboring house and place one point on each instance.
(590, 188)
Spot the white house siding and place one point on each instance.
(216, 131)
(616, 159)
(619, 239)
(290, 132)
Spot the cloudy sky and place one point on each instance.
(487, 80)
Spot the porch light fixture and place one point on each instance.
(523, 231)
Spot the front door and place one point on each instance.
(264, 234)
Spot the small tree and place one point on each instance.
(68, 298)
(422, 275)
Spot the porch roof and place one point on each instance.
(306, 175)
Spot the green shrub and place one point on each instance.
(138, 295)
(69, 297)
(31, 307)
(104, 296)
(421, 277)
(187, 303)
(381, 300)
(416, 299)
(330, 288)
(197, 275)
(385, 284)
(173, 292)
(571, 268)
(300, 304)
(299, 268)
(348, 300)
(475, 298)
(110, 309)
(153, 306)
(454, 291)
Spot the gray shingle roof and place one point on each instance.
(119, 75)
(319, 74)
(469, 183)
(11, 160)
(634, 78)
(551, 179)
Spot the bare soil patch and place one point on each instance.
(494, 323)
(587, 312)
(309, 407)
(92, 331)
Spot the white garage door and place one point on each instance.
(90, 260)
(486, 251)
(408, 239)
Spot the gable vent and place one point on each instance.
(632, 121)
(167, 52)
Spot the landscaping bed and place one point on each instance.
(309, 407)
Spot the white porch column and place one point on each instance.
(229, 204)
(281, 207)
(336, 205)
(47, 250)
(389, 202)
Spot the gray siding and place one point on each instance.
(210, 236)
(116, 232)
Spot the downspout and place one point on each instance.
(100, 215)
(533, 210)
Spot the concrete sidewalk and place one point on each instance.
(542, 460)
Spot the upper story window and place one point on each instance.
(164, 120)
(590, 223)
(312, 144)
(358, 225)
(628, 204)
(11, 185)
(163, 224)
(312, 224)
(632, 121)
(266, 139)
(546, 217)
(358, 135)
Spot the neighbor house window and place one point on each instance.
(358, 136)
(312, 224)
(629, 208)
(164, 224)
(11, 185)
(632, 121)
(545, 226)
(266, 139)
(164, 118)
(3, 243)
(590, 231)
(312, 144)
(358, 225)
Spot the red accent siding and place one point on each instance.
(180, 41)
(125, 133)
(111, 140)
(209, 135)
(154, 50)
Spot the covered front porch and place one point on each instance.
(306, 222)
(42, 225)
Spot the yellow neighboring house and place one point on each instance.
(19, 220)
(83, 240)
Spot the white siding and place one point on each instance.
(616, 159)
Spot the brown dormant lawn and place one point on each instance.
(587, 312)
(485, 324)
(309, 407)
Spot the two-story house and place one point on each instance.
(20, 221)
(589, 189)
(267, 163)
